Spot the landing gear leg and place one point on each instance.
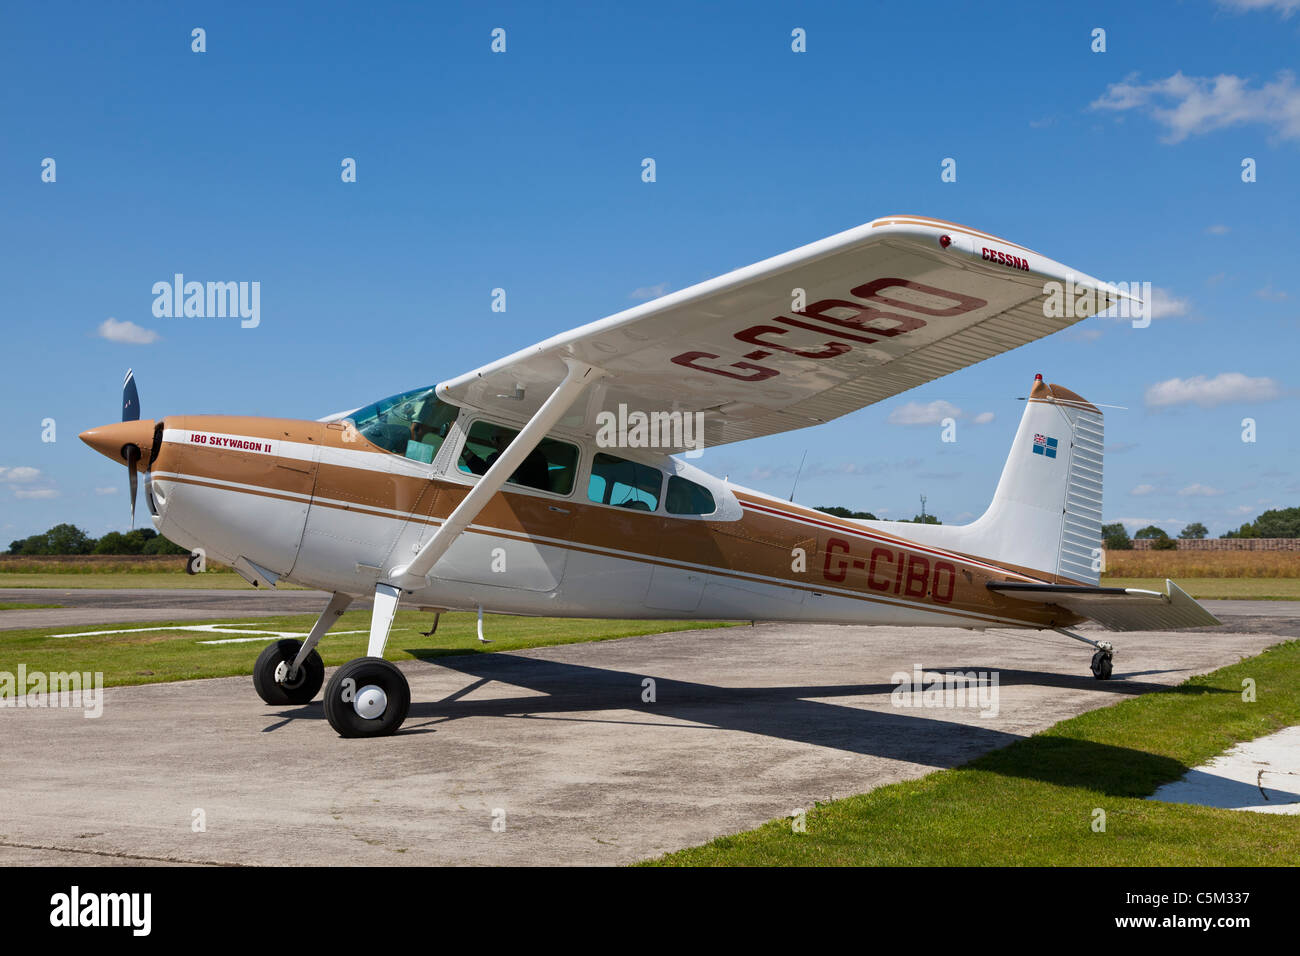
(1102, 661)
(288, 672)
(368, 696)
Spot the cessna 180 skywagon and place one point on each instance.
(493, 491)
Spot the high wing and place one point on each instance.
(804, 337)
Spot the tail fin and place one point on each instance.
(1046, 513)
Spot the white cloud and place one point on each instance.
(1270, 294)
(1141, 490)
(1199, 491)
(1218, 229)
(1208, 392)
(649, 291)
(1163, 304)
(1133, 524)
(128, 333)
(1284, 7)
(930, 413)
(983, 418)
(107, 490)
(35, 493)
(1195, 105)
(21, 474)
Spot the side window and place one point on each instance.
(687, 498)
(551, 466)
(624, 484)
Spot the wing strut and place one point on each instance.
(410, 577)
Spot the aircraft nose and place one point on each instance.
(109, 440)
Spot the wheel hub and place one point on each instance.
(370, 702)
(284, 678)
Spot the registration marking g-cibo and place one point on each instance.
(233, 442)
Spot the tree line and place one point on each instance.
(69, 539)
(1275, 523)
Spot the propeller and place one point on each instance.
(131, 451)
(126, 442)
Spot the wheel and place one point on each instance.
(1101, 665)
(367, 697)
(272, 666)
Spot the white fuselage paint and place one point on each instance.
(297, 538)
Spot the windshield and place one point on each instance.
(412, 424)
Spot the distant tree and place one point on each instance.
(1194, 531)
(68, 539)
(925, 519)
(112, 543)
(160, 545)
(845, 512)
(1160, 541)
(1115, 538)
(1278, 523)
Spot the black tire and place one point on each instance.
(299, 691)
(1101, 665)
(348, 682)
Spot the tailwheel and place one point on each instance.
(367, 697)
(276, 680)
(1101, 664)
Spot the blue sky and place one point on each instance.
(522, 170)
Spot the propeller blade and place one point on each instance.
(130, 398)
(132, 455)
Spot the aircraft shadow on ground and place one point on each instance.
(565, 691)
(1210, 789)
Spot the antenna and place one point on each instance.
(798, 473)
(922, 509)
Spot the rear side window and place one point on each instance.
(551, 466)
(687, 498)
(624, 484)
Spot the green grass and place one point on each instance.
(22, 606)
(1254, 589)
(67, 580)
(1032, 803)
(150, 657)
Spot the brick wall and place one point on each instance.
(1226, 544)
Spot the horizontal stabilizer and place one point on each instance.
(1119, 609)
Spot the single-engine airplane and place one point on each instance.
(497, 490)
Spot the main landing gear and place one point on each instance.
(1102, 661)
(366, 697)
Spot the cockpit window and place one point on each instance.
(412, 424)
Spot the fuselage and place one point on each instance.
(317, 504)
